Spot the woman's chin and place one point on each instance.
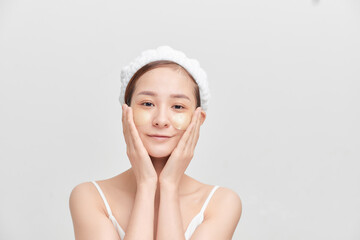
(160, 152)
(159, 149)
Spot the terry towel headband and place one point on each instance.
(167, 53)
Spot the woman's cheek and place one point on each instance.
(141, 117)
(181, 121)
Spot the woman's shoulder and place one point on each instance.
(84, 196)
(224, 199)
(89, 186)
(112, 191)
(220, 190)
(88, 189)
(85, 191)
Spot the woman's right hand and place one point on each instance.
(142, 166)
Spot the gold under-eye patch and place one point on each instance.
(181, 121)
(141, 116)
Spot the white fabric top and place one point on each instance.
(195, 222)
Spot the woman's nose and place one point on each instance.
(161, 119)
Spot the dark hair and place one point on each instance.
(132, 83)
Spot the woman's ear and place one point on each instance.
(202, 117)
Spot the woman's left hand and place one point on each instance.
(181, 156)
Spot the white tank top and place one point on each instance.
(195, 222)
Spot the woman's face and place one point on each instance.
(163, 103)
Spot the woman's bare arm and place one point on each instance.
(141, 222)
(170, 224)
(220, 223)
(170, 178)
(91, 223)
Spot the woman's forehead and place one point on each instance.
(165, 80)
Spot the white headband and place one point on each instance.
(167, 53)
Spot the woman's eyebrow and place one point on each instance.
(149, 93)
(180, 96)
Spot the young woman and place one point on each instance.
(164, 96)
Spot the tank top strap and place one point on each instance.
(104, 199)
(208, 199)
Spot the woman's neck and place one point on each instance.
(159, 163)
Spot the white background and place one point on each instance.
(282, 128)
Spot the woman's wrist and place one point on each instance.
(168, 186)
(147, 186)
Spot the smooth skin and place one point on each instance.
(155, 199)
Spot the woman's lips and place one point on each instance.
(159, 137)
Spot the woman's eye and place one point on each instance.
(147, 104)
(178, 107)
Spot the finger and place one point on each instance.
(128, 121)
(131, 125)
(122, 111)
(138, 145)
(196, 131)
(193, 132)
(196, 115)
(124, 115)
(186, 136)
(124, 123)
(127, 129)
(193, 127)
